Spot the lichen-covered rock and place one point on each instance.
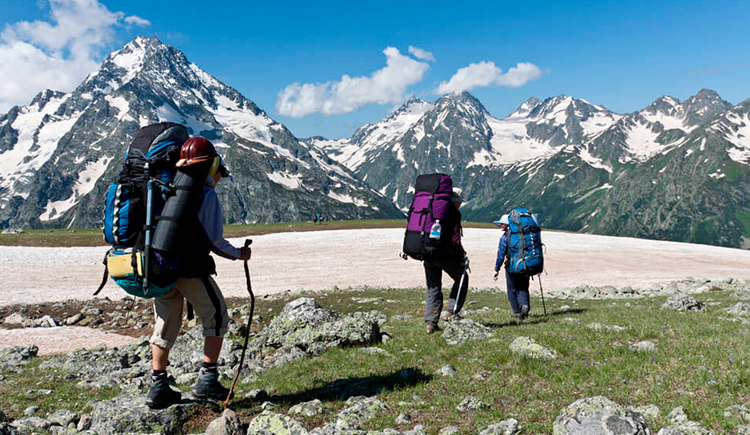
(506, 427)
(739, 309)
(449, 430)
(471, 403)
(308, 409)
(12, 358)
(304, 324)
(447, 370)
(31, 424)
(651, 412)
(227, 424)
(677, 415)
(362, 410)
(63, 417)
(528, 347)
(403, 418)
(743, 430)
(271, 423)
(685, 428)
(643, 346)
(683, 302)
(461, 331)
(599, 415)
(418, 430)
(129, 414)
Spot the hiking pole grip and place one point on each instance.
(248, 242)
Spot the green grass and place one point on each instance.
(702, 364)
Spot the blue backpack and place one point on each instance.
(524, 243)
(149, 161)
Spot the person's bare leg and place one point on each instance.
(212, 349)
(160, 357)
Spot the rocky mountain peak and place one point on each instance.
(526, 108)
(704, 107)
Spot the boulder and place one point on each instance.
(227, 424)
(643, 346)
(739, 309)
(677, 415)
(361, 410)
(686, 428)
(461, 331)
(63, 417)
(449, 430)
(599, 415)
(527, 347)
(651, 412)
(308, 409)
(683, 302)
(18, 319)
(271, 423)
(739, 413)
(506, 427)
(129, 414)
(31, 424)
(447, 370)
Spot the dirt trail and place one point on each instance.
(344, 258)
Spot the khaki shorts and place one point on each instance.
(208, 304)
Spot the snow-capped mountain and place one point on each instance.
(58, 155)
(674, 170)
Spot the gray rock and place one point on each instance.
(449, 430)
(374, 351)
(461, 331)
(643, 346)
(227, 424)
(418, 430)
(403, 418)
(18, 319)
(129, 414)
(31, 424)
(308, 409)
(31, 410)
(256, 394)
(683, 302)
(72, 320)
(743, 430)
(739, 309)
(84, 423)
(362, 410)
(677, 415)
(385, 337)
(651, 412)
(45, 322)
(471, 403)
(447, 370)
(304, 324)
(686, 428)
(401, 318)
(599, 415)
(506, 427)
(63, 417)
(527, 347)
(270, 423)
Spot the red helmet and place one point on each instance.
(196, 150)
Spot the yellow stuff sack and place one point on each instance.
(120, 263)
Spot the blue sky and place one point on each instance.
(622, 55)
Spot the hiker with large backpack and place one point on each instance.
(433, 235)
(520, 250)
(189, 229)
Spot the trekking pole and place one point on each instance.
(542, 292)
(460, 286)
(248, 242)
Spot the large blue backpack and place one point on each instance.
(524, 243)
(149, 161)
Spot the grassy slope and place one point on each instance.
(702, 364)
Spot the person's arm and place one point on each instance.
(212, 220)
(501, 251)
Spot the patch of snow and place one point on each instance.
(593, 161)
(347, 199)
(290, 181)
(121, 104)
(84, 184)
(739, 136)
(717, 175)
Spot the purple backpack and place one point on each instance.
(431, 203)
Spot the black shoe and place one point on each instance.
(524, 311)
(160, 395)
(208, 387)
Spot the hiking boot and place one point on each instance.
(431, 328)
(524, 311)
(453, 316)
(208, 387)
(160, 395)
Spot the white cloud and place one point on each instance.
(386, 85)
(421, 54)
(484, 74)
(55, 54)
